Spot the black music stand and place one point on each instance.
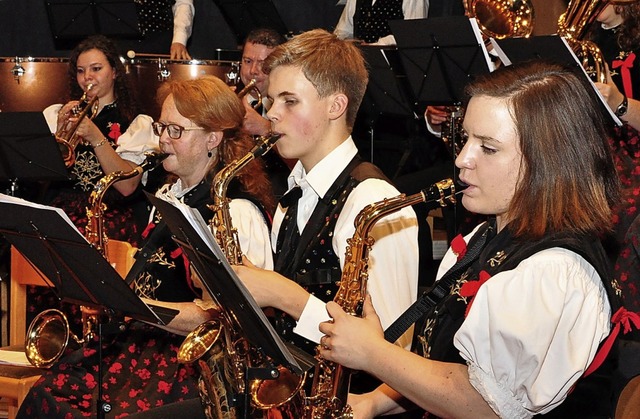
(551, 48)
(79, 273)
(243, 16)
(28, 150)
(440, 55)
(387, 94)
(73, 20)
(192, 233)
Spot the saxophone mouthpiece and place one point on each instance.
(264, 144)
(153, 160)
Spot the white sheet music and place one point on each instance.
(19, 201)
(195, 219)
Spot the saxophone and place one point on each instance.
(94, 232)
(228, 353)
(328, 398)
(49, 333)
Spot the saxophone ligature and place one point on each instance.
(66, 136)
(328, 398)
(219, 341)
(49, 333)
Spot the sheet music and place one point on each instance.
(507, 61)
(224, 287)
(19, 201)
(195, 219)
(478, 33)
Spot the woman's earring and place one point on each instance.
(209, 153)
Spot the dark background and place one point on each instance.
(26, 30)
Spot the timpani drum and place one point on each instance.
(147, 74)
(29, 84)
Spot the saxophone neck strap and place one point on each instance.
(429, 299)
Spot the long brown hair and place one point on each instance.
(123, 87)
(568, 178)
(212, 105)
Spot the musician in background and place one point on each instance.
(114, 139)
(532, 301)
(140, 369)
(616, 34)
(257, 46)
(368, 20)
(317, 82)
(165, 27)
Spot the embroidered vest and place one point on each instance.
(503, 253)
(315, 265)
(371, 22)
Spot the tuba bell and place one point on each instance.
(502, 18)
(574, 24)
(66, 136)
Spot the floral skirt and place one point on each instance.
(139, 371)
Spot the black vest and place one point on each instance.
(315, 265)
(371, 23)
(436, 332)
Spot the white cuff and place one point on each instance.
(314, 313)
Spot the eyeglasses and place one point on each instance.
(173, 130)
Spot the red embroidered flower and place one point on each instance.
(459, 246)
(164, 387)
(470, 288)
(115, 132)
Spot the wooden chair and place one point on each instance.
(628, 406)
(16, 381)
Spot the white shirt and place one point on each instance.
(411, 9)
(183, 13)
(532, 331)
(393, 259)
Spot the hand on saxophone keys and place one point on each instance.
(347, 339)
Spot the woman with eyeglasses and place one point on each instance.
(200, 128)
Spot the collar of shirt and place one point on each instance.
(317, 182)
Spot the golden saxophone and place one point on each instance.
(228, 352)
(66, 136)
(328, 398)
(49, 333)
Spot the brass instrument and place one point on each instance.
(328, 398)
(502, 18)
(49, 333)
(251, 87)
(66, 136)
(220, 338)
(574, 24)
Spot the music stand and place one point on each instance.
(28, 150)
(551, 48)
(448, 53)
(245, 15)
(74, 20)
(387, 92)
(223, 285)
(79, 273)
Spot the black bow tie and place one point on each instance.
(291, 197)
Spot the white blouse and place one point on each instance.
(532, 331)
